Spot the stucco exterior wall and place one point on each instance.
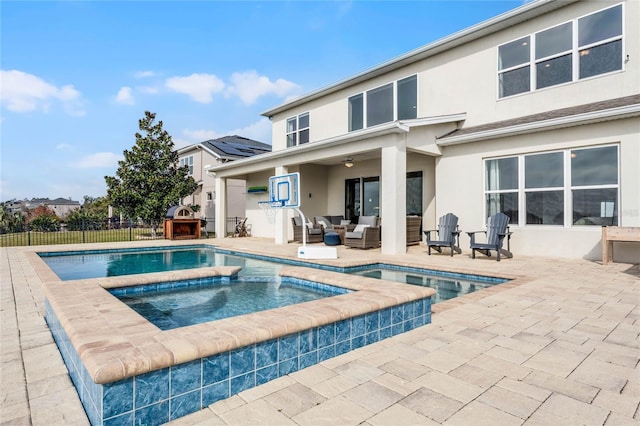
(260, 226)
(462, 193)
(236, 188)
(465, 79)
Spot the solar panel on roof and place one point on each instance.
(229, 150)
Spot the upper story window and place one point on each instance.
(187, 161)
(582, 48)
(298, 130)
(574, 186)
(393, 101)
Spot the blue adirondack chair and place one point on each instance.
(448, 235)
(497, 230)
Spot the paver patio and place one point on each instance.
(559, 345)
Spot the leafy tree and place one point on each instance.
(10, 222)
(42, 218)
(96, 207)
(148, 181)
(83, 219)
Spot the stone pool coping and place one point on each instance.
(114, 342)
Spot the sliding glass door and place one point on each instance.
(352, 200)
(371, 196)
(362, 196)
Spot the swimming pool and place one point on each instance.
(183, 303)
(106, 263)
(126, 370)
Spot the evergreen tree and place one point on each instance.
(96, 206)
(148, 181)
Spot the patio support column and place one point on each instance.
(282, 215)
(393, 196)
(221, 207)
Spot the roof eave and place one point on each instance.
(545, 125)
(404, 126)
(522, 13)
(393, 127)
(189, 148)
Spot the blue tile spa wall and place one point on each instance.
(160, 396)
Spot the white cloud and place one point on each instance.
(23, 92)
(147, 89)
(259, 131)
(249, 86)
(99, 159)
(125, 96)
(200, 87)
(144, 74)
(64, 146)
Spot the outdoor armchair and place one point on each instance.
(324, 223)
(314, 235)
(365, 235)
(413, 229)
(497, 230)
(448, 235)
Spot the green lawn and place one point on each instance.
(75, 237)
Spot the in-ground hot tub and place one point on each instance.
(128, 370)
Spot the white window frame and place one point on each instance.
(187, 161)
(567, 188)
(296, 132)
(575, 52)
(365, 124)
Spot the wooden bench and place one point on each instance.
(616, 233)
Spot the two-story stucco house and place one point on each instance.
(535, 113)
(60, 206)
(218, 151)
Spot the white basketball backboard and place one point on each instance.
(285, 189)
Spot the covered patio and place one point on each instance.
(386, 171)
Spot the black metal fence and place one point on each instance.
(87, 231)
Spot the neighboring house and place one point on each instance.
(60, 206)
(534, 113)
(218, 151)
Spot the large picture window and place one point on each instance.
(356, 112)
(582, 48)
(298, 130)
(544, 182)
(393, 101)
(362, 196)
(501, 184)
(565, 188)
(594, 186)
(380, 105)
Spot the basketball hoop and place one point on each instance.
(269, 209)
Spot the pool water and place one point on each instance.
(111, 263)
(212, 300)
(104, 263)
(447, 285)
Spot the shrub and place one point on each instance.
(45, 222)
(79, 220)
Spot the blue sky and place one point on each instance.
(77, 76)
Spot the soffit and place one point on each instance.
(612, 109)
